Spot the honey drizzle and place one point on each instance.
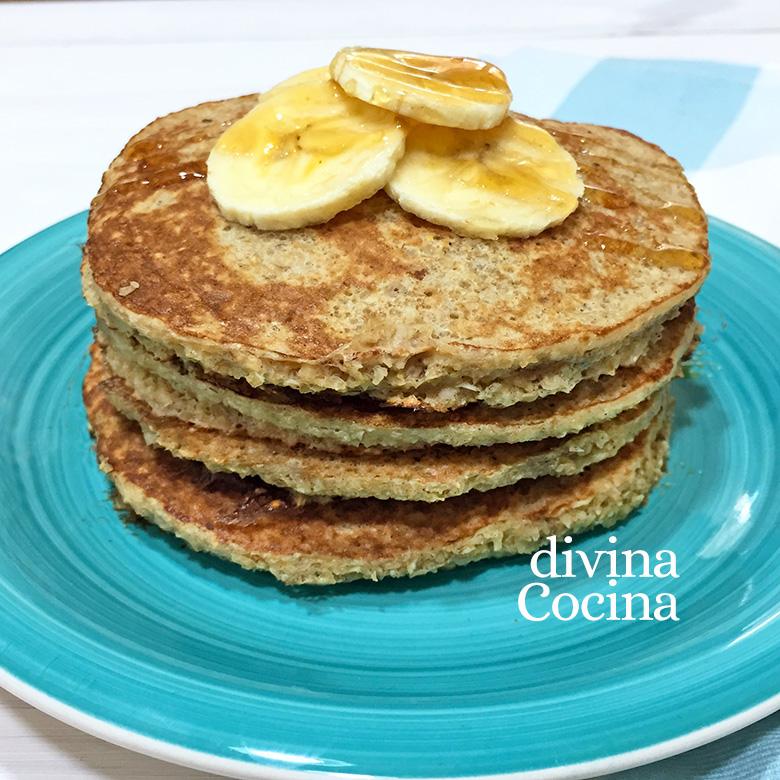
(607, 198)
(158, 169)
(276, 129)
(685, 213)
(452, 76)
(468, 161)
(662, 256)
(582, 140)
(616, 200)
(164, 170)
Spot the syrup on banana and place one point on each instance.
(435, 132)
(513, 180)
(450, 91)
(306, 152)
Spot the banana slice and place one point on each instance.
(306, 152)
(321, 75)
(450, 91)
(513, 180)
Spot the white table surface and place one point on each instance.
(77, 79)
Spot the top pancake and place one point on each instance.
(378, 300)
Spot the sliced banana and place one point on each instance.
(306, 152)
(513, 180)
(450, 91)
(321, 75)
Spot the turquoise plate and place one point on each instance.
(121, 631)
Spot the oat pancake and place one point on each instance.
(378, 301)
(432, 474)
(261, 527)
(171, 387)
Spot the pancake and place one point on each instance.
(433, 474)
(524, 386)
(261, 527)
(377, 396)
(171, 387)
(380, 302)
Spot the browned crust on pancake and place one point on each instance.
(260, 527)
(404, 281)
(430, 474)
(330, 421)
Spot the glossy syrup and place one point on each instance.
(315, 118)
(517, 160)
(458, 78)
(156, 168)
(662, 256)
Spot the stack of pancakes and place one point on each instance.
(378, 396)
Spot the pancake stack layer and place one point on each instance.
(378, 396)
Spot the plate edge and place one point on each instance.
(229, 767)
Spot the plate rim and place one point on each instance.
(245, 770)
(209, 762)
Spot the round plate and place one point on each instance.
(120, 630)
